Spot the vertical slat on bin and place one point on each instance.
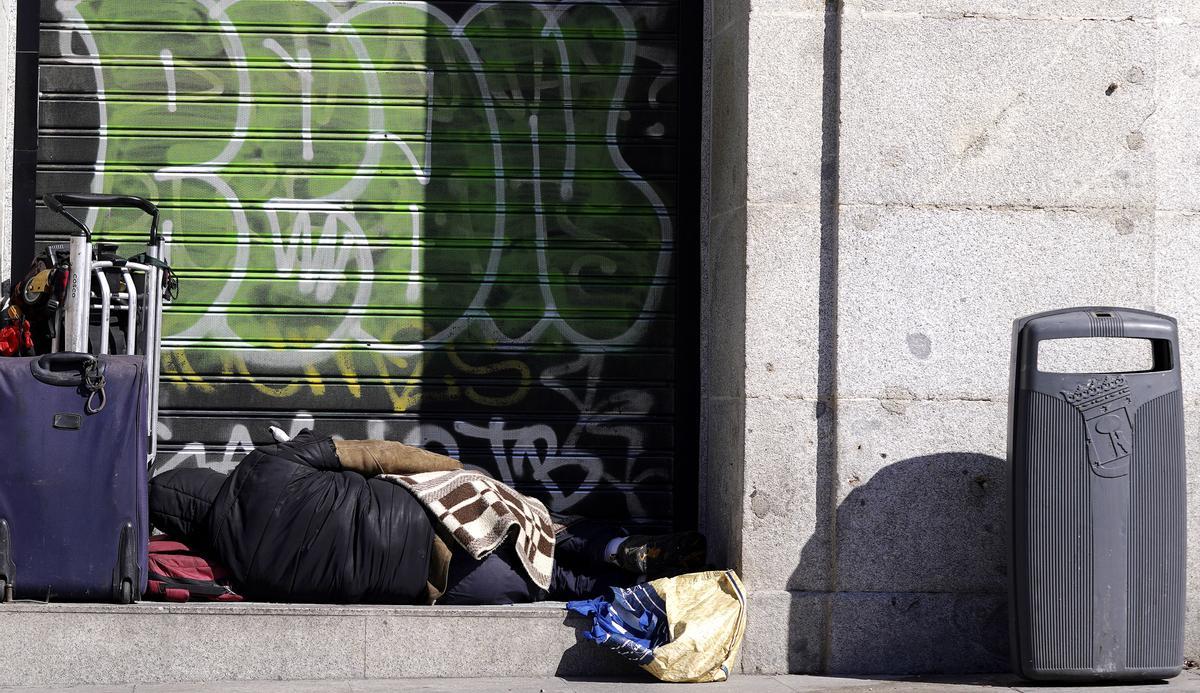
(1060, 547)
(1158, 482)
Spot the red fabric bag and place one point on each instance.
(178, 573)
(15, 339)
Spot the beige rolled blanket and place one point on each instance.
(371, 457)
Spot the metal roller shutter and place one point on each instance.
(453, 224)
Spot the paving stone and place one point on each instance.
(248, 687)
(738, 683)
(1186, 681)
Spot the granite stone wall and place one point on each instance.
(892, 182)
(8, 26)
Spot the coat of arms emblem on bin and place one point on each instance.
(1105, 407)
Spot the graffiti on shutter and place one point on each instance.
(446, 223)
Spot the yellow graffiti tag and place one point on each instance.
(178, 362)
(508, 365)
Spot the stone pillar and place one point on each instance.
(1172, 133)
(8, 41)
(983, 160)
(763, 276)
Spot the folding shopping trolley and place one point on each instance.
(131, 301)
(79, 424)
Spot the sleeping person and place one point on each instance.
(312, 519)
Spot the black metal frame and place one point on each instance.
(25, 137)
(686, 470)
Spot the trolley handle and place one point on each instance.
(58, 201)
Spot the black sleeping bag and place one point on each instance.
(292, 526)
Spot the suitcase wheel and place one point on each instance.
(126, 592)
(6, 591)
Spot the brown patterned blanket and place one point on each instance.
(480, 513)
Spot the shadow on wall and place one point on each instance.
(919, 572)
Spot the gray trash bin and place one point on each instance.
(1097, 505)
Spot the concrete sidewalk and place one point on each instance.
(1188, 681)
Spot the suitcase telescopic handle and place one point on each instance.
(57, 202)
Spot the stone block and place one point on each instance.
(784, 632)
(785, 514)
(1177, 269)
(66, 646)
(784, 128)
(502, 643)
(728, 119)
(1179, 10)
(723, 306)
(722, 441)
(1067, 10)
(996, 112)
(89, 644)
(918, 633)
(927, 296)
(1174, 136)
(778, 7)
(922, 487)
(783, 270)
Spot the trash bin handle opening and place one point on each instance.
(1103, 322)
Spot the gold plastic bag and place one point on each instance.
(706, 614)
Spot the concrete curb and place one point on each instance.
(78, 644)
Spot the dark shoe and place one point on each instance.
(661, 555)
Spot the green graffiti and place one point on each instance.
(469, 158)
(383, 200)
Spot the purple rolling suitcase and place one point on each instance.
(73, 516)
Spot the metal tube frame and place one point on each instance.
(78, 302)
